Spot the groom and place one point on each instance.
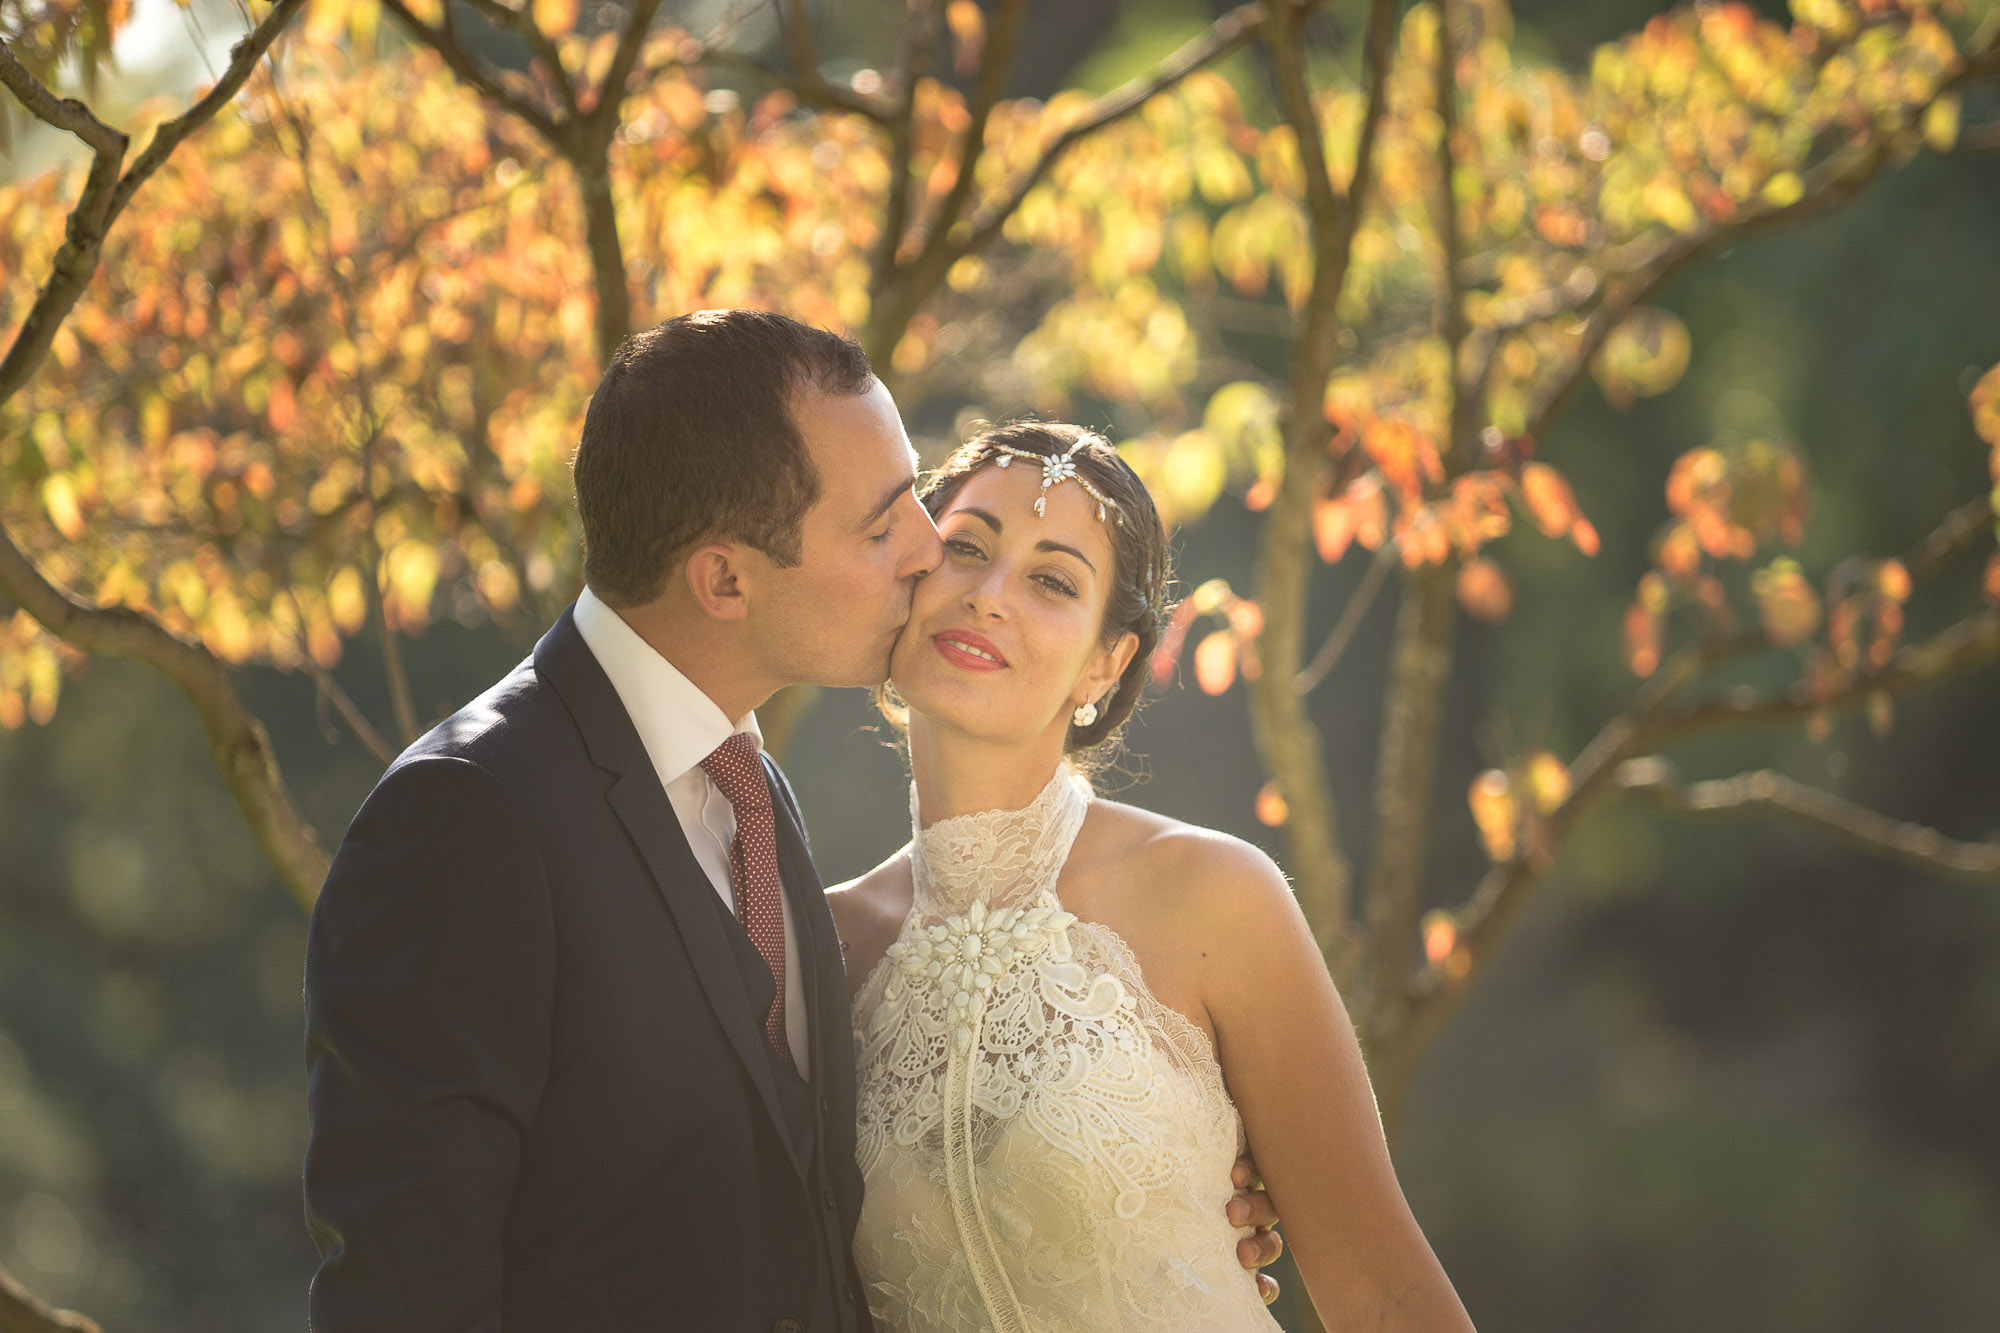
(577, 1026)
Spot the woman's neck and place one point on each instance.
(957, 774)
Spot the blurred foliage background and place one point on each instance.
(1727, 1075)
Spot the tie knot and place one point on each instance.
(734, 767)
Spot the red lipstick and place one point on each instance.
(964, 648)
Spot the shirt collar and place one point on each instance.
(677, 723)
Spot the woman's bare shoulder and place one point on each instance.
(1189, 862)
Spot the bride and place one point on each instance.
(1061, 1002)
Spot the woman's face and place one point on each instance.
(1005, 638)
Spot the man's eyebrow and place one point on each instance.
(992, 521)
(888, 501)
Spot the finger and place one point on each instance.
(1269, 1246)
(1244, 1174)
(1267, 1287)
(1253, 1208)
(1259, 1249)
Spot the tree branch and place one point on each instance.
(917, 52)
(1764, 791)
(1832, 183)
(523, 22)
(350, 712)
(1450, 321)
(1421, 659)
(602, 122)
(813, 91)
(907, 287)
(1287, 743)
(1223, 36)
(1342, 634)
(805, 82)
(237, 740)
(92, 215)
(241, 748)
(23, 1312)
(475, 74)
(1970, 642)
(1963, 527)
(1496, 903)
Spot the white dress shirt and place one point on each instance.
(680, 726)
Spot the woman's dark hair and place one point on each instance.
(690, 435)
(1136, 603)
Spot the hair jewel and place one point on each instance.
(1057, 468)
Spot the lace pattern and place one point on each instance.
(1045, 1145)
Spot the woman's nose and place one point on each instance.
(985, 596)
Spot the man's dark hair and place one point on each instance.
(690, 436)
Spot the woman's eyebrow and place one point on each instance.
(992, 521)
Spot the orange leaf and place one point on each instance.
(1333, 527)
(1642, 640)
(283, 409)
(1680, 553)
(1371, 511)
(1440, 936)
(1484, 591)
(1893, 578)
(1215, 662)
(1246, 618)
(1549, 498)
(1584, 533)
(968, 34)
(1494, 810)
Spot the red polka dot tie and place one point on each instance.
(753, 866)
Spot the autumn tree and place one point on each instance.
(325, 379)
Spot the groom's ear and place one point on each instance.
(714, 574)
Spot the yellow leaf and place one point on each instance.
(1941, 123)
(1784, 189)
(347, 600)
(557, 18)
(1548, 781)
(1665, 200)
(44, 682)
(1194, 474)
(412, 569)
(59, 498)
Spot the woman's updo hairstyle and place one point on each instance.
(1136, 603)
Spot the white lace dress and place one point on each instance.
(1046, 1146)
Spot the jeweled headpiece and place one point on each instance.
(1059, 467)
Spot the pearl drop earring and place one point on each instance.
(1084, 715)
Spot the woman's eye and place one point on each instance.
(960, 546)
(1057, 584)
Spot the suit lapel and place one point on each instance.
(641, 804)
(814, 923)
(833, 1040)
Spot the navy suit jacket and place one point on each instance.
(540, 1096)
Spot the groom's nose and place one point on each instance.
(926, 548)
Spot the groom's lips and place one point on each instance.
(953, 646)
